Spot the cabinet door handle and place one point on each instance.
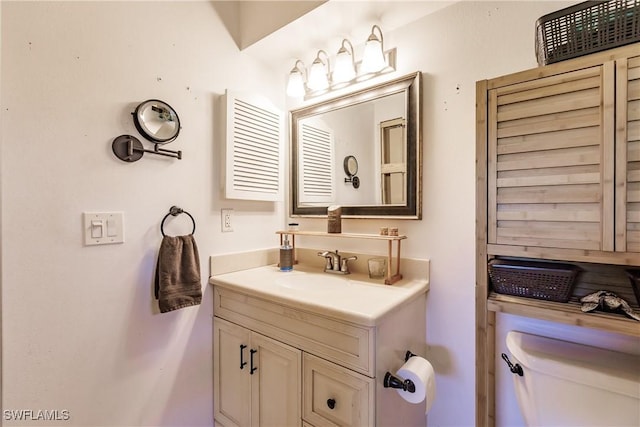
(242, 362)
(331, 403)
(253, 368)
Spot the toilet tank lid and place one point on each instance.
(591, 366)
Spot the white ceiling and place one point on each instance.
(325, 26)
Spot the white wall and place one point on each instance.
(454, 48)
(81, 330)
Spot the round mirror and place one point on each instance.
(350, 166)
(156, 121)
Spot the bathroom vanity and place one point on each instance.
(309, 348)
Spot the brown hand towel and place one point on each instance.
(177, 283)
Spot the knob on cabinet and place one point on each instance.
(331, 403)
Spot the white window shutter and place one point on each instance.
(254, 148)
(316, 164)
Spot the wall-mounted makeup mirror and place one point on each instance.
(158, 123)
(380, 127)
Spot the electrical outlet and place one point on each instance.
(226, 220)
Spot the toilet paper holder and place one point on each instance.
(392, 381)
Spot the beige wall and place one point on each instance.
(80, 331)
(454, 48)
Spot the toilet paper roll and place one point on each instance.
(420, 371)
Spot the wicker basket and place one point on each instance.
(540, 280)
(634, 276)
(587, 27)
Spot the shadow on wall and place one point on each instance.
(441, 359)
(250, 21)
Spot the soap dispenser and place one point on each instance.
(286, 255)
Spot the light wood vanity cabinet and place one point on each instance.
(311, 369)
(258, 379)
(558, 178)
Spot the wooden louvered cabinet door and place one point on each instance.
(628, 155)
(551, 161)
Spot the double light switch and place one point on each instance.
(103, 228)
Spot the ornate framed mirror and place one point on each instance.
(381, 127)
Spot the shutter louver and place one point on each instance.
(254, 150)
(316, 156)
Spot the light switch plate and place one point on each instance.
(103, 228)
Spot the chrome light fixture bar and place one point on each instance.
(320, 79)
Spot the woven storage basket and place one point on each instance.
(540, 280)
(585, 28)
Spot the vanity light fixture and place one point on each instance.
(319, 72)
(373, 59)
(296, 82)
(345, 66)
(319, 79)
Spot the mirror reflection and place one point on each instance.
(157, 121)
(379, 127)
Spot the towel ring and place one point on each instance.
(175, 211)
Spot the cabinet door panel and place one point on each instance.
(628, 156)
(277, 383)
(232, 385)
(550, 174)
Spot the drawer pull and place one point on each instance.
(242, 363)
(253, 368)
(331, 403)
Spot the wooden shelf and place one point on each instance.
(568, 313)
(343, 235)
(390, 279)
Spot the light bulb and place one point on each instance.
(373, 58)
(295, 84)
(344, 69)
(318, 79)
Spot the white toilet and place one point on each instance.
(568, 384)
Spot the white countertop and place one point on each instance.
(353, 297)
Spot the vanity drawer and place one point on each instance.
(344, 343)
(335, 396)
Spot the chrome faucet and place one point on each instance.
(334, 263)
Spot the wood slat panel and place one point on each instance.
(548, 81)
(634, 73)
(550, 122)
(549, 140)
(633, 151)
(633, 240)
(633, 90)
(633, 131)
(580, 193)
(549, 243)
(633, 110)
(633, 212)
(586, 212)
(633, 192)
(634, 62)
(550, 158)
(551, 179)
(555, 104)
(537, 92)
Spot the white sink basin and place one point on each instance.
(313, 282)
(353, 297)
